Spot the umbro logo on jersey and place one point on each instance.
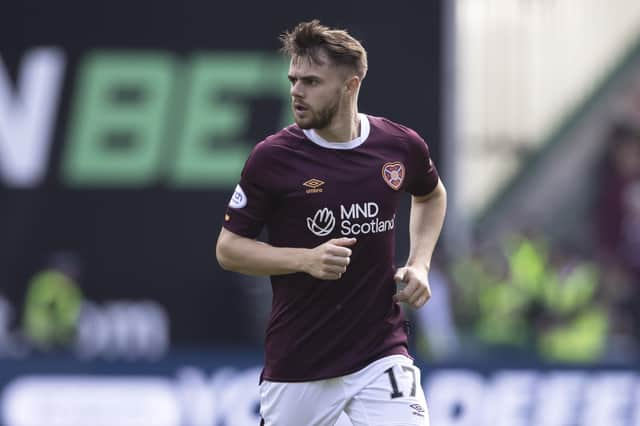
(393, 174)
(313, 186)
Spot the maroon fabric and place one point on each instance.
(305, 194)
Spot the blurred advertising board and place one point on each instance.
(123, 129)
(211, 388)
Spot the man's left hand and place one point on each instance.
(417, 290)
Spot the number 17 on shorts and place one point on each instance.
(394, 398)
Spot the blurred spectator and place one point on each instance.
(532, 300)
(620, 296)
(619, 202)
(53, 302)
(618, 237)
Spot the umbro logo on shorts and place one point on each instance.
(418, 410)
(417, 407)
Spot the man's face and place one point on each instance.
(316, 91)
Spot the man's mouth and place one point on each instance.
(300, 107)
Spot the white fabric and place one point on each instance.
(365, 128)
(365, 397)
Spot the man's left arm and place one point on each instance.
(425, 224)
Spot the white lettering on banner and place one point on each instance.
(635, 403)
(197, 394)
(116, 330)
(239, 399)
(607, 400)
(129, 330)
(533, 398)
(96, 401)
(456, 397)
(558, 398)
(231, 397)
(27, 118)
(510, 399)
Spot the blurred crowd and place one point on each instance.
(617, 230)
(532, 296)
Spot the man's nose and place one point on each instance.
(296, 90)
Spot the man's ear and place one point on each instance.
(352, 84)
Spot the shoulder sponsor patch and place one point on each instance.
(238, 199)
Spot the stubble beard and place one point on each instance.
(322, 118)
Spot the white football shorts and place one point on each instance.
(385, 393)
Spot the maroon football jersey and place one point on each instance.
(305, 191)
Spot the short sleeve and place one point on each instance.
(251, 203)
(422, 173)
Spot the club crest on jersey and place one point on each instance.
(238, 199)
(393, 174)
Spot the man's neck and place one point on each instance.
(341, 130)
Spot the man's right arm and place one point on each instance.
(327, 261)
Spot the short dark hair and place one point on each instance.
(308, 39)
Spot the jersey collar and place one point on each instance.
(364, 134)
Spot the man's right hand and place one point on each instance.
(329, 260)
